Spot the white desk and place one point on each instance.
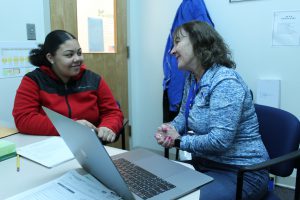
(32, 174)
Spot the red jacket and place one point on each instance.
(85, 96)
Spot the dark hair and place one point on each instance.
(53, 40)
(208, 45)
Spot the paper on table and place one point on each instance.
(71, 185)
(50, 152)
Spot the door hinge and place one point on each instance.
(127, 51)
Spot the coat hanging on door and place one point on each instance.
(173, 78)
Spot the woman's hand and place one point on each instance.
(165, 135)
(87, 123)
(106, 134)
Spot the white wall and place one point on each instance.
(149, 25)
(15, 15)
(246, 27)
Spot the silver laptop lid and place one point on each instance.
(91, 154)
(87, 151)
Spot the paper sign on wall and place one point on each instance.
(286, 28)
(14, 58)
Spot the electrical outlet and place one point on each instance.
(30, 31)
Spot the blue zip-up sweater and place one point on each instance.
(173, 78)
(223, 120)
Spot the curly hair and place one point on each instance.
(208, 45)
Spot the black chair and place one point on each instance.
(121, 132)
(280, 131)
(166, 153)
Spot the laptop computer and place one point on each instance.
(175, 179)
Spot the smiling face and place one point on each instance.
(183, 51)
(67, 60)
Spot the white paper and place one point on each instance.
(14, 58)
(286, 28)
(71, 185)
(50, 152)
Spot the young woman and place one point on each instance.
(62, 83)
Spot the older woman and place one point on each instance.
(217, 122)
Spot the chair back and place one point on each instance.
(280, 131)
(121, 132)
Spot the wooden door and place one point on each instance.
(111, 66)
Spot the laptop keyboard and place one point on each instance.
(141, 182)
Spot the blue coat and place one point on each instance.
(173, 78)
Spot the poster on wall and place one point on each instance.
(14, 59)
(286, 28)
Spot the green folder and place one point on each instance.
(7, 150)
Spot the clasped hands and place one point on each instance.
(166, 135)
(104, 133)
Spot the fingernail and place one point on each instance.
(165, 129)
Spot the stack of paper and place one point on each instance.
(50, 152)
